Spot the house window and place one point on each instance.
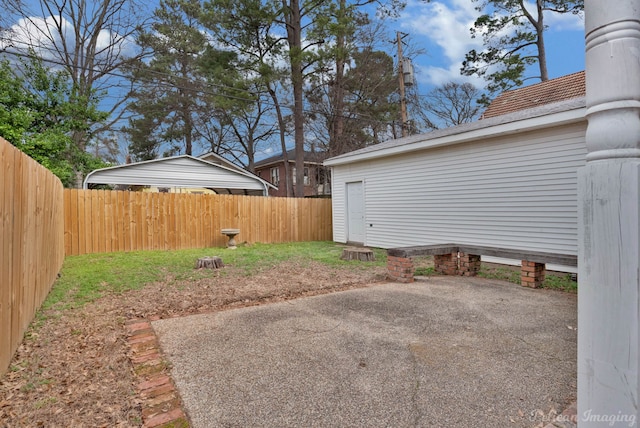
(306, 176)
(275, 176)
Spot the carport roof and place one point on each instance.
(181, 171)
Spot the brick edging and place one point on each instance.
(161, 402)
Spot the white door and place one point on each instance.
(355, 213)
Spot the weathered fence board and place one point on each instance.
(32, 243)
(103, 221)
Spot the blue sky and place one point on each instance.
(442, 28)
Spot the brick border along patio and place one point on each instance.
(161, 404)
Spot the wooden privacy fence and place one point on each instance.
(31, 243)
(98, 221)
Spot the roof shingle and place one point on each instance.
(550, 91)
(310, 157)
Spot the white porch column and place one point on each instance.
(609, 219)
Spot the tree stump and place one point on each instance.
(362, 254)
(214, 262)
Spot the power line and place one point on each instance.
(361, 116)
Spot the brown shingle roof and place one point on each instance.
(311, 157)
(551, 91)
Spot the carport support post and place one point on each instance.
(609, 219)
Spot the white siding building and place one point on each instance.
(508, 181)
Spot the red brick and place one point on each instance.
(165, 418)
(171, 397)
(139, 325)
(530, 282)
(532, 274)
(143, 347)
(152, 383)
(533, 284)
(400, 269)
(137, 353)
(149, 337)
(156, 392)
(150, 369)
(140, 335)
(147, 357)
(161, 404)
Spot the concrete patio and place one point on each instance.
(444, 351)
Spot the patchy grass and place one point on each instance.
(506, 273)
(424, 271)
(423, 266)
(553, 280)
(75, 351)
(560, 281)
(88, 277)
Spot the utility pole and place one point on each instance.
(403, 99)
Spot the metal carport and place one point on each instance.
(181, 172)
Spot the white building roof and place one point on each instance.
(547, 115)
(181, 171)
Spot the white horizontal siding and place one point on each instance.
(517, 191)
(338, 199)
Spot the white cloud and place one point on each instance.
(447, 25)
(37, 33)
(432, 75)
(564, 21)
(44, 36)
(109, 41)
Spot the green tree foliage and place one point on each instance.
(39, 113)
(370, 103)
(254, 28)
(338, 22)
(513, 36)
(186, 86)
(308, 36)
(371, 87)
(90, 39)
(245, 27)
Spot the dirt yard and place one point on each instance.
(73, 369)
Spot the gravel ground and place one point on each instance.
(444, 351)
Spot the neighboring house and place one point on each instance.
(182, 172)
(219, 160)
(509, 180)
(316, 177)
(551, 91)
